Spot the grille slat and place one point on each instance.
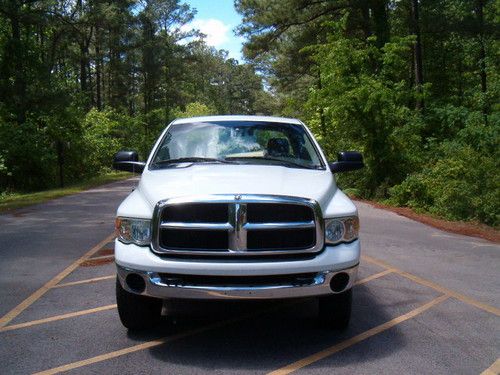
(261, 213)
(196, 212)
(238, 226)
(292, 239)
(177, 239)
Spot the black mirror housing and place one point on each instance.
(347, 161)
(128, 161)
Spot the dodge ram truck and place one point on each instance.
(236, 208)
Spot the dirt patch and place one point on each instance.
(103, 252)
(458, 227)
(97, 262)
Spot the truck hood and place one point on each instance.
(202, 179)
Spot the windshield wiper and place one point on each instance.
(281, 161)
(193, 159)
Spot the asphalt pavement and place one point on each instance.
(426, 302)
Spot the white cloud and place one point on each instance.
(215, 30)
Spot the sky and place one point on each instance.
(218, 19)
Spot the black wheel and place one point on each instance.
(137, 312)
(335, 310)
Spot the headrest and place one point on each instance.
(278, 147)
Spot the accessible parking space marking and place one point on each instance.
(158, 342)
(108, 307)
(430, 284)
(7, 318)
(56, 317)
(358, 338)
(86, 281)
(148, 344)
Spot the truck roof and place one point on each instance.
(237, 118)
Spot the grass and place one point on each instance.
(11, 201)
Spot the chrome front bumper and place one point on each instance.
(158, 287)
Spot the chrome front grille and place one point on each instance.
(237, 225)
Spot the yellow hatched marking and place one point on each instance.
(57, 317)
(86, 281)
(430, 284)
(98, 309)
(90, 311)
(7, 318)
(154, 343)
(356, 339)
(373, 277)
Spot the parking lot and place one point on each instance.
(426, 302)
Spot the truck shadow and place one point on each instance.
(276, 333)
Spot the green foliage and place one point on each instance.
(430, 140)
(362, 110)
(195, 109)
(26, 152)
(100, 130)
(461, 180)
(80, 80)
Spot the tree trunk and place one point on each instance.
(60, 161)
(380, 21)
(482, 50)
(98, 70)
(482, 58)
(18, 59)
(417, 53)
(321, 110)
(365, 16)
(83, 67)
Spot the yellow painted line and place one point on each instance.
(154, 343)
(494, 369)
(379, 263)
(430, 284)
(356, 339)
(373, 277)
(86, 281)
(57, 317)
(55, 280)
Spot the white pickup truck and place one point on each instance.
(236, 207)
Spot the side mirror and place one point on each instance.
(347, 161)
(128, 161)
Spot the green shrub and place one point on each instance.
(461, 184)
(99, 141)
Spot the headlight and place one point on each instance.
(136, 231)
(342, 229)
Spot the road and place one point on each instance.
(426, 302)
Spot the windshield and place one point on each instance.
(242, 142)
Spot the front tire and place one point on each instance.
(335, 310)
(137, 312)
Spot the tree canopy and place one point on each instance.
(413, 84)
(80, 79)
